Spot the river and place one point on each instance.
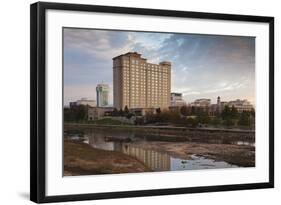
(155, 153)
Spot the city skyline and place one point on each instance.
(204, 66)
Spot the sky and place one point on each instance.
(203, 66)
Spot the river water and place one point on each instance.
(126, 143)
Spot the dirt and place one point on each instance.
(82, 159)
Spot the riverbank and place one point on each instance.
(153, 127)
(144, 143)
(169, 133)
(82, 159)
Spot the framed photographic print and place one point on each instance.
(129, 102)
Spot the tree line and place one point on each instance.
(196, 116)
(76, 113)
(185, 116)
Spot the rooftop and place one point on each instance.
(102, 85)
(136, 54)
(177, 94)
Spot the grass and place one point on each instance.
(82, 159)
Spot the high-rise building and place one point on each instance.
(102, 95)
(139, 84)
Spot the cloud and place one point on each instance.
(191, 93)
(98, 43)
(226, 87)
(202, 65)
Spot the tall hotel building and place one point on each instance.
(139, 84)
(102, 91)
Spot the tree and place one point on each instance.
(244, 119)
(226, 113)
(121, 112)
(253, 113)
(115, 112)
(67, 114)
(216, 121)
(228, 122)
(126, 110)
(184, 110)
(158, 110)
(76, 113)
(193, 110)
(129, 115)
(81, 112)
(203, 117)
(150, 118)
(234, 112)
(192, 122)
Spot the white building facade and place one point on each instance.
(176, 100)
(83, 101)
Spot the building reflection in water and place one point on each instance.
(100, 140)
(154, 160)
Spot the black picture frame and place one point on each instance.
(38, 100)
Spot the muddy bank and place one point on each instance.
(240, 155)
(82, 159)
